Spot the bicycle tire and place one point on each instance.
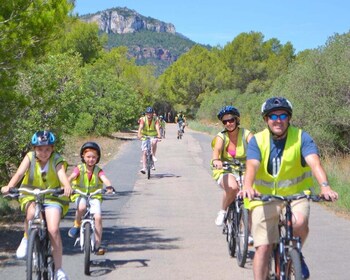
(242, 234)
(293, 267)
(149, 165)
(231, 232)
(87, 248)
(34, 257)
(49, 265)
(273, 273)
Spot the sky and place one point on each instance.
(307, 24)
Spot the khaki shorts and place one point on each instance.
(265, 220)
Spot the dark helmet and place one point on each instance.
(43, 138)
(90, 145)
(276, 103)
(149, 110)
(228, 110)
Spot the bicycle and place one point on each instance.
(149, 157)
(285, 260)
(162, 132)
(237, 220)
(39, 263)
(86, 237)
(180, 130)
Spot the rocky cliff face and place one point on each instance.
(124, 20)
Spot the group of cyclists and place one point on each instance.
(279, 160)
(43, 168)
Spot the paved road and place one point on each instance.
(163, 228)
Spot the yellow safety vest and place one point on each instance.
(225, 156)
(85, 185)
(33, 179)
(292, 177)
(149, 129)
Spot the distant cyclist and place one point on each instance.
(180, 119)
(148, 126)
(162, 124)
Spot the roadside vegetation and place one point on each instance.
(57, 73)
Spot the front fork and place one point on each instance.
(286, 244)
(80, 239)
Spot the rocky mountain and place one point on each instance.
(150, 41)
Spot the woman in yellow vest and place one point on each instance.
(43, 168)
(227, 145)
(89, 177)
(280, 160)
(148, 126)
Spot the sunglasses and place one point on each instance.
(229, 121)
(275, 117)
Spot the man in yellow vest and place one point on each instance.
(148, 126)
(280, 160)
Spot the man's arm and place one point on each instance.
(252, 166)
(313, 160)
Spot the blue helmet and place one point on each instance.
(228, 110)
(149, 110)
(276, 103)
(43, 138)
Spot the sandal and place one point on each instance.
(100, 251)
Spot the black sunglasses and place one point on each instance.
(229, 121)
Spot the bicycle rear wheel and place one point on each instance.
(231, 232)
(87, 248)
(242, 233)
(34, 257)
(293, 268)
(49, 273)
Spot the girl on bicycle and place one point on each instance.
(88, 176)
(228, 144)
(45, 169)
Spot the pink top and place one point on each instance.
(77, 171)
(231, 152)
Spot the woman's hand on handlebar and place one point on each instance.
(217, 163)
(248, 192)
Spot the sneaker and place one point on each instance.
(304, 269)
(153, 167)
(154, 158)
(74, 232)
(22, 249)
(250, 240)
(60, 275)
(143, 170)
(220, 218)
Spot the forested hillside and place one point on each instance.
(68, 79)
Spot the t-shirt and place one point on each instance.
(308, 147)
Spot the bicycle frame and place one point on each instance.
(149, 158)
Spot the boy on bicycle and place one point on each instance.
(43, 168)
(89, 177)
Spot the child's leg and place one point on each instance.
(98, 229)
(53, 218)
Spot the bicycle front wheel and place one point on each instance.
(231, 232)
(34, 257)
(293, 267)
(242, 233)
(87, 248)
(149, 165)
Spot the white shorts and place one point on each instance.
(144, 144)
(95, 204)
(219, 181)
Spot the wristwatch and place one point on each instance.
(325, 184)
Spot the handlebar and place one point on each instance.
(99, 191)
(14, 193)
(289, 198)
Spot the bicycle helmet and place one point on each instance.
(43, 138)
(276, 103)
(228, 110)
(90, 145)
(149, 110)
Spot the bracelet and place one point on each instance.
(325, 184)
